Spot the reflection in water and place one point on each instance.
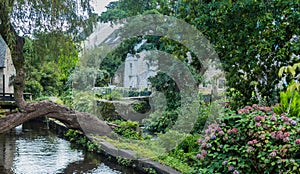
(7, 151)
(33, 149)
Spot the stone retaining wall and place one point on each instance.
(113, 153)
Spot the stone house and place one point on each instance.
(7, 69)
(137, 71)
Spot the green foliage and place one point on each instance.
(60, 49)
(290, 100)
(204, 112)
(141, 107)
(77, 16)
(176, 164)
(67, 97)
(125, 162)
(249, 36)
(114, 95)
(289, 103)
(235, 96)
(47, 68)
(78, 138)
(128, 129)
(160, 121)
(164, 83)
(292, 70)
(255, 140)
(183, 156)
(125, 8)
(34, 87)
(150, 170)
(73, 18)
(50, 79)
(84, 102)
(163, 120)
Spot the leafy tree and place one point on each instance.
(19, 18)
(117, 10)
(49, 63)
(252, 38)
(60, 49)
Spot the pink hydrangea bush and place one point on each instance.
(253, 140)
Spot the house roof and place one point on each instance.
(3, 48)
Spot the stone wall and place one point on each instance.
(9, 71)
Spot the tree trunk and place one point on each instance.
(8, 33)
(85, 122)
(82, 121)
(19, 63)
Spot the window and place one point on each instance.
(221, 83)
(130, 66)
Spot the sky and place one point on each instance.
(103, 30)
(99, 5)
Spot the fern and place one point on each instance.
(289, 103)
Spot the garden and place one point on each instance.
(252, 139)
(253, 127)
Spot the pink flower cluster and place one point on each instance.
(202, 155)
(199, 156)
(252, 142)
(288, 120)
(236, 172)
(273, 117)
(247, 109)
(279, 135)
(297, 141)
(260, 118)
(211, 133)
(273, 153)
(232, 131)
(262, 108)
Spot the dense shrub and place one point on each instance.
(128, 129)
(160, 121)
(186, 151)
(114, 95)
(84, 102)
(141, 107)
(204, 112)
(34, 87)
(254, 140)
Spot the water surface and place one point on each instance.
(32, 149)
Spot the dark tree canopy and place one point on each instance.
(252, 38)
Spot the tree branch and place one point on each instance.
(85, 122)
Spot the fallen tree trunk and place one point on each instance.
(85, 122)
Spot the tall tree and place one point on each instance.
(19, 18)
(252, 38)
(23, 17)
(49, 63)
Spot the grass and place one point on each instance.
(151, 150)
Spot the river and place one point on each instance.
(32, 149)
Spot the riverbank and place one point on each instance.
(121, 156)
(34, 148)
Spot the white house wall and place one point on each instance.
(137, 71)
